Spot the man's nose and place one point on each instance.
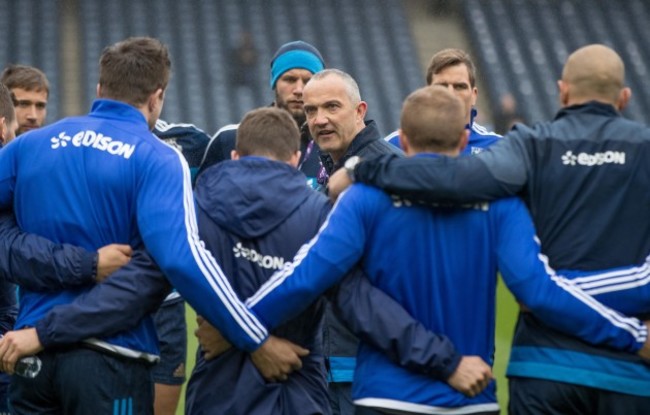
(31, 113)
(298, 87)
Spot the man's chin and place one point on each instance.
(298, 116)
(25, 130)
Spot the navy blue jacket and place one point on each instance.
(367, 144)
(253, 215)
(187, 138)
(37, 264)
(584, 177)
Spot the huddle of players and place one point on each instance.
(430, 347)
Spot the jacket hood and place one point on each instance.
(250, 197)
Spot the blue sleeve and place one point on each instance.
(380, 321)
(555, 300)
(167, 222)
(117, 304)
(8, 174)
(36, 263)
(499, 171)
(318, 265)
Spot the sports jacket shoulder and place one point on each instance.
(219, 146)
(190, 140)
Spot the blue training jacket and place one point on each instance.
(105, 178)
(583, 176)
(452, 294)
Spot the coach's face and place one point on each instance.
(332, 116)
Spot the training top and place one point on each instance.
(106, 178)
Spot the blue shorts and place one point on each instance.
(172, 338)
(81, 381)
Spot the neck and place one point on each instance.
(336, 156)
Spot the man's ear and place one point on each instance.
(362, 108)
(156, 99)
(234, 155)
(295, 159)
(563, 92)
(98, 91)
(403, 141)
(623, 98)
(3, 130)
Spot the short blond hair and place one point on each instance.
(433, 119)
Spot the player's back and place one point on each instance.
(76, 181)
(440, 265)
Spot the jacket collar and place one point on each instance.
(591, 107)
(108, 108)
(366, 136)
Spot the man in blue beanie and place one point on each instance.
(292, 66)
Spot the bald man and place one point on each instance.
(584, 176)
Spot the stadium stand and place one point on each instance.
(521, 45)
(372, 43)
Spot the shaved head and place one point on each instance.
(594, 72)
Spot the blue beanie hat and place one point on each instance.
(294, 55)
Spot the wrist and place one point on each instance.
(94, 266)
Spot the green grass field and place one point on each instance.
(506, 317)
